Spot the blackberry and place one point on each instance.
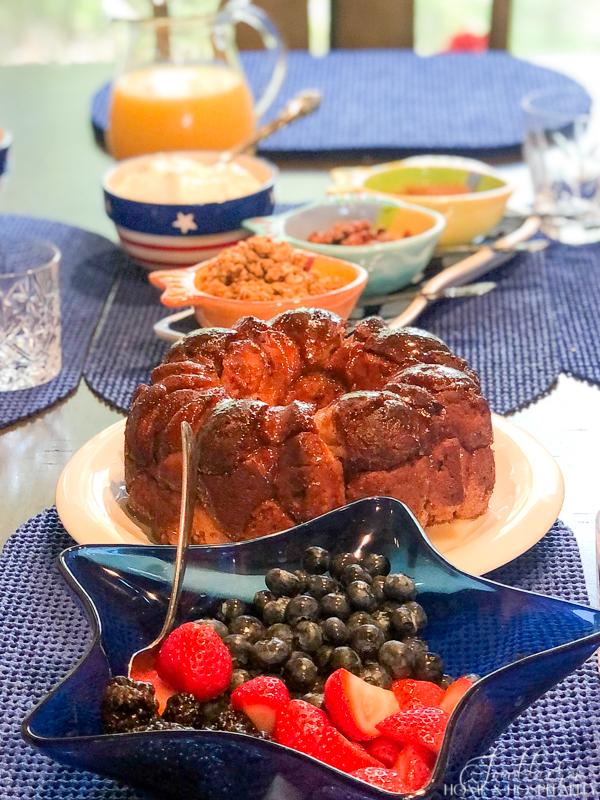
(282, 582)
(366, 640)
(360, 596)
(270, 654)
(320, 585)
(249, 627)
(376, 675)
(308, 636)
(315, 560)
(335, 631)
(184, 709)
(399, 587)
(345, 658)
(210, 711)
(239, 676)
(230, 609)
(302, 576)
(335, 605)
(397, 658)
(274, 610)
(235, 722)
(323, 657)
(160, 724)
(218, 627)
(261, 599)
(302, 607)
(430, 669)
(315, 699)
(354, 572)
(127, 705)
(300, 674)
(340, 561)
(375, 564)
(280, 630)
(382, 619)
(239, 648)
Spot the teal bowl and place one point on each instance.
(391, 265)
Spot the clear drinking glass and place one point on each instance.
(562, 149)
(30, 351)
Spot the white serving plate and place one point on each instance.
(527, 498)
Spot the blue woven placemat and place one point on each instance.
(88, 267)
(541, 320)
(394, 102)
(52, 632)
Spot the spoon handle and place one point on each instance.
(186, 515)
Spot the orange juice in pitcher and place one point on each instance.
(182, 87)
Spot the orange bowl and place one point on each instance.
(180, 289)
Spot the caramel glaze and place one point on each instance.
(297, 416)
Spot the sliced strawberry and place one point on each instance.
(455, 692)
(384, 750)
(355, 706)
(261, 699)
(386, 779)
(194, 659)
(337, 751)
(415, 694)
(424, 726)
(413, 766)
(301, 725)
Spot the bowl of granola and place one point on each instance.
(262, 277)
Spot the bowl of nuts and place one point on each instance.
(393, 240)
(262, 277)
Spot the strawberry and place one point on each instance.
(355, 706)
(194, 659)
(386, 779)
(305, 728)
(455, 692)
(260, 699)
(424, 726)
(384, 750)
(416, 694)
(413, 766)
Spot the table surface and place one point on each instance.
(56, 172)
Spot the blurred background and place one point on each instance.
(66, 31)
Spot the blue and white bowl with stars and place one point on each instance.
(174, 235)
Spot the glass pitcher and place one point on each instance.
(181, 85)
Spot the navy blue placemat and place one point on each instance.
(394, 102)
(43, 632)
(88, 267)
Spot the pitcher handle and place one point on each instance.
(256, 18)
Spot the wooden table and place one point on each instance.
(56, 173)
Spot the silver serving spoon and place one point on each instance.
(299, 106)
(145, 658)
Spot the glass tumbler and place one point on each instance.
(30, 352)
(562, 150)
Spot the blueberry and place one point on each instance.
(248, 626)
(382, 619)
(431, 669)
(345, 658)
(216, 624)
(397, 658)
(408, 619)
(399, 587)
(417, 648)
(270, 653)
(280, 631)
(302, 576)
(319, 684)
(238, 676)
(315, 699)
(308, 636)
(240, 649)
(360, 596)
(377, 588)
(323, 657)
(299, 654)
(376, 675)
(359, 618)
(335, 631)
(354, 572)
(299, 674)
(340, 561)
(366, 640)
(315, 560)
(320, 585)
(261, 599)
(417, 613)
(302, 607)
(282, 582)
(230, 609)
(446, 681)
(335, 604)
(274, 610)
(375, 564)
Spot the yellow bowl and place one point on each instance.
(471, 196)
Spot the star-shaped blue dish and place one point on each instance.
(519, 642)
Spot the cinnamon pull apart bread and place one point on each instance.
(298, 416)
